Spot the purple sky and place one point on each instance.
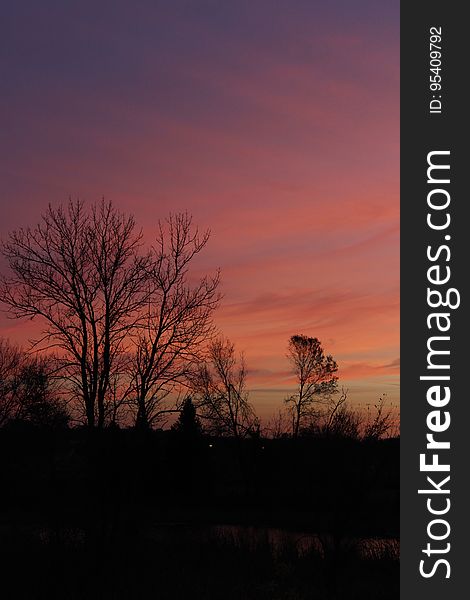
(276, 124)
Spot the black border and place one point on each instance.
(421, 133)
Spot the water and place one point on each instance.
(324, 544)
(250, 537)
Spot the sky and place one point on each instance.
(274, 123)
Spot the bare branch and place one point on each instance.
(315, 373)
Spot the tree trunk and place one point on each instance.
(297, 422)
(100, 423)
(141, 421)
(90, 414)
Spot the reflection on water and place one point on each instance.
(324, 544)
(249, 537)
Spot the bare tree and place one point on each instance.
(380, 423)
(279, 426)
(315, 373)
(339, 419)
(80, 272)
(27, 388)
(177, 320)
(11, 361)
(336, 418)
(220, 388)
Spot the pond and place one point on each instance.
(325, 544)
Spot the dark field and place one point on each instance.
(126, 514)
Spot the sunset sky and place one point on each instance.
(275, 123)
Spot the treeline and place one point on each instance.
(215, 401)
(126, 336)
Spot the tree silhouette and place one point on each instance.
(11, 362)
(176, 320)
(38, 400)
(27, 389)
(340, 420)
(220, 387)
(127, 325)
(380, 423)
(315, 373)
(188, 424)
(80, 272)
